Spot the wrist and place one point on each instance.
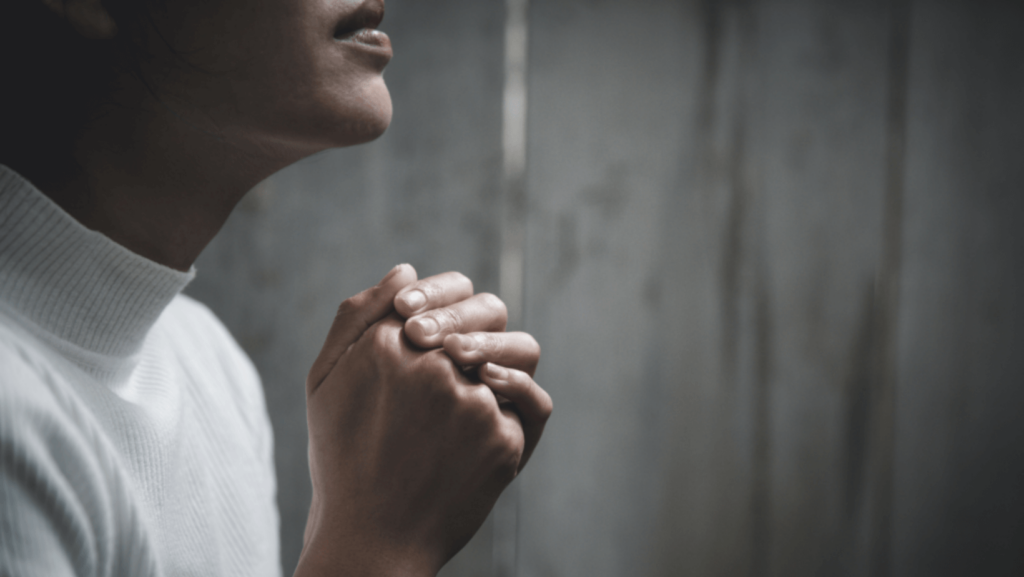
(331, 549)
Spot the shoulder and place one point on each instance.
(60, 482)
(42, 419)
(30, 386)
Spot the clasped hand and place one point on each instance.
(421, 410)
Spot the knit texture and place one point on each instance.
(134, 439)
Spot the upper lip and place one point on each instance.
(368, 15)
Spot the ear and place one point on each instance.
(88, 17)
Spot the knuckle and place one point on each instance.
(508, 467)
(492, 302)
(533, 347)
(477, 406)
(381, 337)
(436, 370)
(442, 396)
(545, 404)
(445, 392)
(448, 319)
(430, 288)
(349, 306)
(508, 452)
(439, 376)
(512, 439)
(541, 397)
(491, 343)
(472, 399)
(519, 380)
(462, 279)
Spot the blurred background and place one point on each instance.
(773, 251)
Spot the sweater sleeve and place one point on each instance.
(62, 511)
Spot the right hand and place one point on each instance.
(442, 311)
(407, 455)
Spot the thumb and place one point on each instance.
(355, 315)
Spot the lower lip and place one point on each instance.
(369, 39)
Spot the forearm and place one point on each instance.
(332, 549)
(337, 560)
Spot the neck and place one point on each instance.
(159, 184)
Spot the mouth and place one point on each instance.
(360, 27)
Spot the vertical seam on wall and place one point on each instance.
(889, 287)
(750, 229)
(513, 243)
(514, 161)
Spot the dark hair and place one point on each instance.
(55, 80)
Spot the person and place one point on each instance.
(134, 439)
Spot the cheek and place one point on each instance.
(321, 99)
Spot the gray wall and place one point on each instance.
(775, 257)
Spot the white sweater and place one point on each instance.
(134, 439)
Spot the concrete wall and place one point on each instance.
(774, 255)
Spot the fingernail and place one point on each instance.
(428, 326)
(391, 274)
(414, 299)
(496, 372)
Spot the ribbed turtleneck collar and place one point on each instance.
(74, 283)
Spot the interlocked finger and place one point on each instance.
(482, 312)
(532, 403)
(433, 292)
(515, 350)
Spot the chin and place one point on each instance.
(370, 127)
(364, 124)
